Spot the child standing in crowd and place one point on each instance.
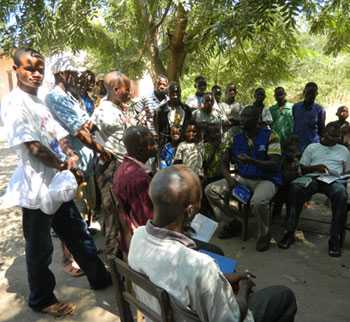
(214, 147)
(291, 170)
(265, 115)
(190, 152)
(168, 152)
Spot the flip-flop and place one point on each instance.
(59, 309)
(73, 271)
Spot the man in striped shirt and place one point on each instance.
(147, 105)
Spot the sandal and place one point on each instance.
(59, 309)
(73, 271)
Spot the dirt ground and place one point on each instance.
(321, 283)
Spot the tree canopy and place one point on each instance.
(246, 41)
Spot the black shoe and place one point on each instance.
(334, 246)
(263, 243)
(287, 240)
(230, 230)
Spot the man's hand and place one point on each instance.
(79, 176)
(232, 182)
(236, 277)
(88, 125)
(244, 158)
(321, 168)
(72, 162)
(105, 156)
(246, 285)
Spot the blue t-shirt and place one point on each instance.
(308, 123)
(167, 155)
(88, 103)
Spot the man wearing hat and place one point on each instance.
(65, 107)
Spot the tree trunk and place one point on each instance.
(157, 66)
(177, 45)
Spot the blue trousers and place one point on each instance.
(71, 228)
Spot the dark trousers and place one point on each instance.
(335, 191)
(281, 198)
(72, 230)
(273, 304)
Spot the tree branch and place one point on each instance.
(164, 15)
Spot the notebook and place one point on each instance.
(203, 227)
(227, 265)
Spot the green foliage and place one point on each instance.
(309, 63)
(252, 43)
(333, 21)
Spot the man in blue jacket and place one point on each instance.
(256, 152)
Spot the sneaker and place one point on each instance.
(334, 246)
(230, 230)
(263, 243)
(287, 240)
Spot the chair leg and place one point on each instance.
(245, 213)
(124, 310)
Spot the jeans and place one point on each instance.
(273, 304)
(335, 191)
(72, 230)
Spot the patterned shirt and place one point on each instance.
(282, 120)
(130, 185)
(145, 108)
(68, 113)
(200, 117)
(231, 111)
(191, 155)
(274, 145)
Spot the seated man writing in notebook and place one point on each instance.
(162, 252)
(327, 157)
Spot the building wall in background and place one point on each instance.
(7, 76)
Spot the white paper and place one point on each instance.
(330, 179)
(204, 227)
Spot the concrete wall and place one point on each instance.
(7, 76)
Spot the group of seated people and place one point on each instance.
(156, 161)
(276, 153)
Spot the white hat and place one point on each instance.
(62, 188)
(64, 63)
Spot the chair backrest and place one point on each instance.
(122, 275)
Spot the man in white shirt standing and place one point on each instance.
(39, 141)
(112, 118)
(197, 101)
(162, 252)
(326, 157)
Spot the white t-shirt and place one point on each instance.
(27, 119)
(336, 158)
(215, 117)
(112, 122)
